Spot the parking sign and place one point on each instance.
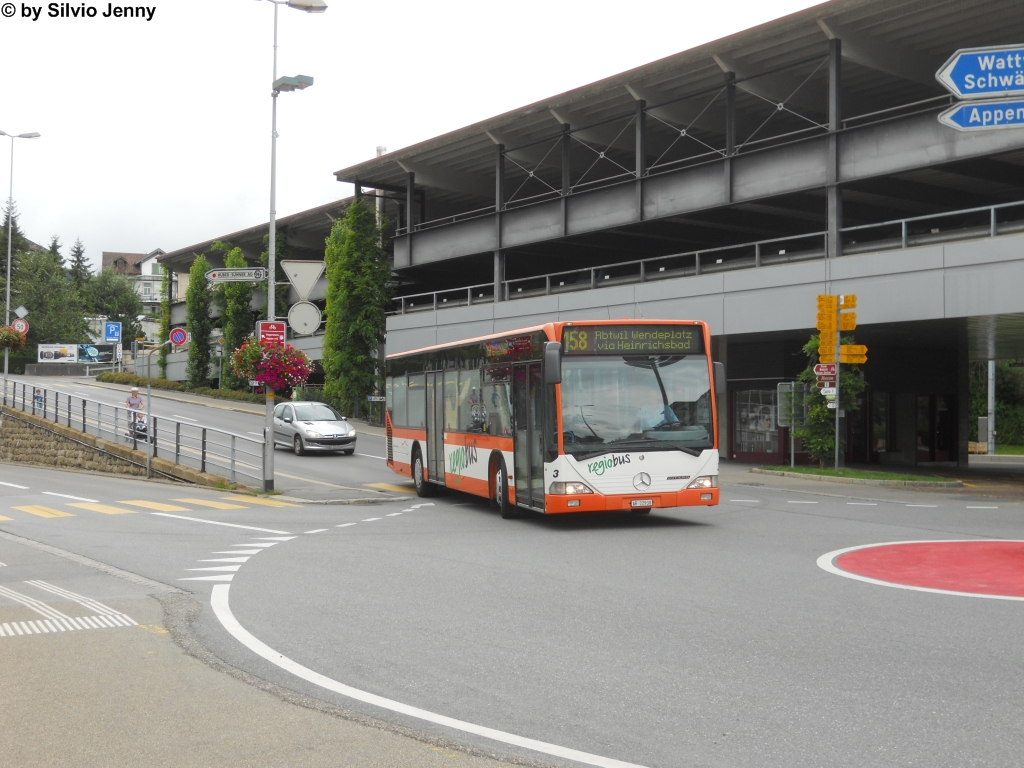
(112, 332)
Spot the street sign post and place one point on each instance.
(20, 325)
(237, 275)
(792, 411)
(984, 115)
(978, 73)
(271, 331)
(831, 321)
(112, 332)
(178, 336)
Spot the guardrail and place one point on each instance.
(204, 448)
(951, 226)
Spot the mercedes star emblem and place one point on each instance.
(642, 481)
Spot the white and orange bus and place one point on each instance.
(564, 417)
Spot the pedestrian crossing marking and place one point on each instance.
(38, 511)
(157, 505)
(390, 487)
(2, 518)
(106, 509)
(261, 501)
(213, 504)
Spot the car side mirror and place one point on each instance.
(286, 420)
(552, 362)
(719, 378)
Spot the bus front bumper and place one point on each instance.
(692, 497)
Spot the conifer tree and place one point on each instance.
(78, 268)
(165, 320)
(198, 323)
(238, 319)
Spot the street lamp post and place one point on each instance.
(280, 84)
(10, 226)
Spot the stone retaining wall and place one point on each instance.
(28, 439)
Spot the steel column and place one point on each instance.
(499, 204)
(640, 164)
(566, 176)
(410, 199)
(835, 115)
(730, 131)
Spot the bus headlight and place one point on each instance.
(570, 489)
(704, 481)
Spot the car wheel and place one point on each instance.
(423, 488)
(299, 449)
(508, 510)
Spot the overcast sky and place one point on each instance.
(156, 134)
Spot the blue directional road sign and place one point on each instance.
(982, 73)
(984, 115)
(112, 331)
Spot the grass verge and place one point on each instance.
(110, 377)
(1009, 450)
(858, 474)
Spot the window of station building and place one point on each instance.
(755, 429)
(882, 424)
(417, 397)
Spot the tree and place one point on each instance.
(165, 320)
(54, 251)
(238, 319)
(198, 323)
(113, 295)
(358, 295)
(818, 432)
(18, 245)
(79, 270)
(57, 311)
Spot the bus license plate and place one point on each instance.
(642, 503)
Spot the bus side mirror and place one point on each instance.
(719, 378)
(552, 362)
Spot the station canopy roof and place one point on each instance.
(891, 51)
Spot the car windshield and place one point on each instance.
(316, 412)
(648, 402)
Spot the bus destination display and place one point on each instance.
(632, 340)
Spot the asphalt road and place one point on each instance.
(691, 637)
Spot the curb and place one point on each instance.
(371, 500)
(864, 481)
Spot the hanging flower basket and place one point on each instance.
(11, 340)
(278, 366)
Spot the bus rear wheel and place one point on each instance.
(423, 488)
(507, 509)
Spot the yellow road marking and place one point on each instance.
(39, 511)
(260, 500)
(314, 482)
(212, 504)
(158, 506)
(106, 509)
(389, 487)
(4, 518)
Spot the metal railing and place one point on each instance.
(951, 226)
(204, 448)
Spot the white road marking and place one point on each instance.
(930, 506)
(240, 551)
(801, 502)
(55, 621)
(318, 530)
(186, 418)
(344, 525)
(983, 507)
(745, 501)
(224, 577)
(264, 546)
(370, 519)
(371, 456)
(213, 522)
(861, 504)
(273, 538)
(3, 565)
(392, 514)
(226, 560)
(66, 496)
(424, 504)
(222, 609)
(12, 485)
(825, 562)
(231, 568)
(85, 602)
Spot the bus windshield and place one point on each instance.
(631, 403)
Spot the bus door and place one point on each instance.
(435, 426)
(527, 389)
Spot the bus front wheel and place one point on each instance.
(507, 509)
(423, 488)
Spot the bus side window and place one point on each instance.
(451, 404)
(389, 394)
(471, 412)
(497, 407)
(417, 401)
(399, 405)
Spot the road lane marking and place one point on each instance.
(106, 509)
(344, 525)
(745, 501)
(390, 487)
(38, 511)
(219, 577)
(226, 559)
(12, 485)
(2, 518)
(264, 546)
(186, 418)
(232, 568)
(930, 506)
(3, 565)
(85, 602)
(861, 504)
(318, 530)
(216, 522)
(392, 514)
(65, 496)
(239, 551)
(212, 504)
(371, 456)
(222, 609)
(801, 502)
(983, 507)
(316, 482)
(158, 506)
(261, 501)
(272, 538)
(370, 519)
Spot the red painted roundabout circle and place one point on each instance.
(988, 568)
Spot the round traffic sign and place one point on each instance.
(178, 337)
(304, 318)
(20, 325)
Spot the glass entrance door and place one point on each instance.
(435, 426)
(527, 388)
(936, 428)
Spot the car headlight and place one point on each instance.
(311, 433)
(351, 432)
(570, 489)
(704, 481)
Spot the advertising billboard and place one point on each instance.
(58, 353)
(78, 353)
(97, 353)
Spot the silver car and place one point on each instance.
(311, 426)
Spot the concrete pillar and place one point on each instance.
(963, 394)
(835, 117)
(991, 407)
(499, 275)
